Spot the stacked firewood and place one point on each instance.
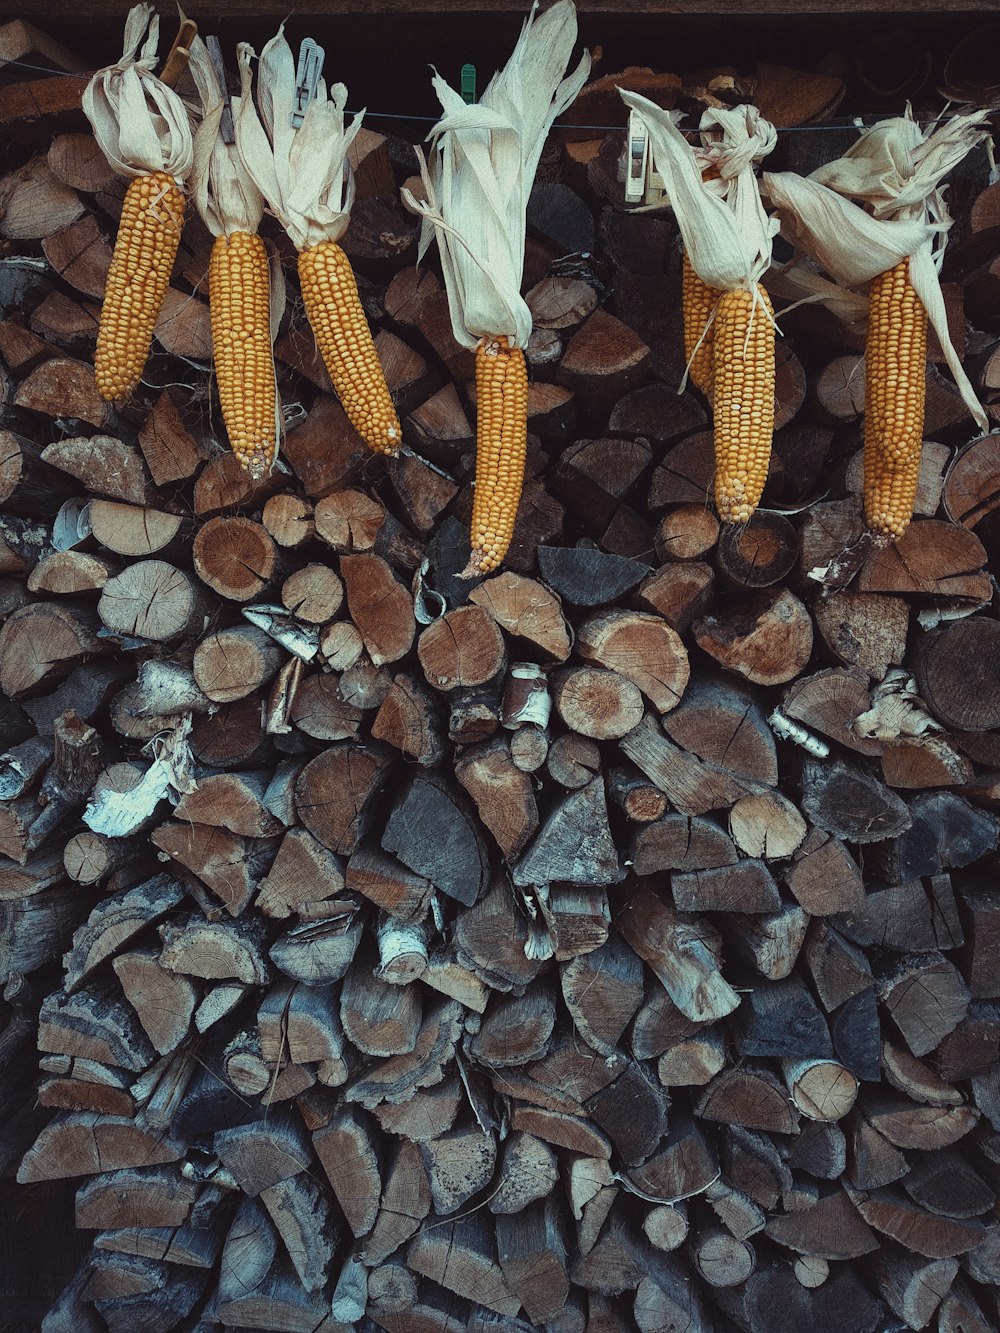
(610, 943)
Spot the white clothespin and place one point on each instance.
(643, 183)
(308, 73)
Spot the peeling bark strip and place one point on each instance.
(606, 944)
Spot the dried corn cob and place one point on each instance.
(239, 303)
(144, 131)
(501, 444)
(481, 167)
(743, 401)
(333, 307)
(698, 300)
(145, 249)
(314, 206)
(895, 370)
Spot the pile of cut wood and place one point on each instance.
(608, 944)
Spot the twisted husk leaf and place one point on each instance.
(479, 172)
(141, 125)
(726, 232)
(302, 173)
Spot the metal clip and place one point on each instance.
(643, 183)
(307, 76)
(226, 129)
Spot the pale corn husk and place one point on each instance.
(726, 231)
(799, 282)
(302, 172)
(141, 125)
(481, 168)
(224, 192)
(896, 170)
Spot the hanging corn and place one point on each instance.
(301, 169)
(243, 314)
(481, 167)
(143, 129)
(895, 251)
(729, 326)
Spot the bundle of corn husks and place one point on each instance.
(244, 303)
(481, 167)
(303, 174)
(728, 320)
(144, 131)
(895, 243)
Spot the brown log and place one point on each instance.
(641, 647)
(43, 642)
(333, 792)
(379, 606)
(768, 641)
(233, 663)
(759, 553)
(235, 557)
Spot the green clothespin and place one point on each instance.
(469, 83)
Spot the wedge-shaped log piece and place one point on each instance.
(851, 804)
(602, 991)
(692, 785)
(114, 921)
(781, 1019)
(926, 998)
(462, 1257)
(264, 1152)
(396, 1079)
(891, 1213)
(300, 1212)
(334, 793)
(753, 1099)
(746, 886)
(574, 844)
(527, 610)
(380, 607)
(459, 1164)
(932, 558)
(831, 1229)
(215, 950)
(142, 1197)
(532, 1252)
(164, 1001)
(824, 878)
(431, 830)
(725, 725)
(218, 858)
(95, 1024)
(303, 871)
(318, 952)
(388, 884)
(503, 793)
(84, 1145)
(405, 1202)
(193, 1246)
(681, 842)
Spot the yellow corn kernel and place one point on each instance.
(333, 307)
(743, 401)
(240, 306)
(698, 300)
(501, 445)
(148, 236)
(895, 378)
